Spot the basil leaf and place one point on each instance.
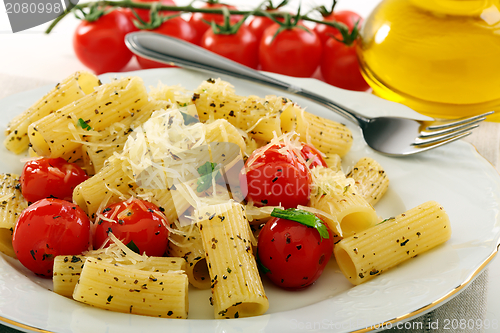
(303, 217)
(131, 245)
(81, 123)
(205, 180)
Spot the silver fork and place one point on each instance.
(394, 136)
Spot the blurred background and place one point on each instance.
(34, 54)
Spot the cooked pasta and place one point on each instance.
(12, 203)
(67, 269)
(188, 245)
(124, 289)
(371, 180)
(237, 289)
(112, 139)
(259, 117)
(68, 91)
(349, 213)
(185, 151)
(329, 136)
(369, 253)
(61, 133)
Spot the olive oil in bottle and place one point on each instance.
(439, 57)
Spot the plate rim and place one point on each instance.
(409, 316)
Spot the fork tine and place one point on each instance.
(421, 148)
(422, 141)
(449, 129)
(455, 122)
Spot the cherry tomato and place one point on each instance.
(275, 176)
(340, 66)
(242, 46)
(50, 177)
(48, 228)
(313, 155)
(144, 13)
(175, 27)
(347, 17)
(197, 19)
(292, 254)
(100, 44)
(293, 51)
(137, 221)
(258, 24)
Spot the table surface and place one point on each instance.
(37, 56)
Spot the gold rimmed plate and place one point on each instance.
(456, 176)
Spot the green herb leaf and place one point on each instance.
(189, 119)
(205, 180)
(131, 245)
(303, 217)
(390, 218)
(81, 123)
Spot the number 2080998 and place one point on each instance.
(32, 8)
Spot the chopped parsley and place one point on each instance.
(81, 123)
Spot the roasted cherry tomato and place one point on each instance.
(275, 175)
(313, 156)
(48, 228)
(241, 46)
(291, 254)
(295, 51)
(50, 177)
(100, 44)
(137, 223)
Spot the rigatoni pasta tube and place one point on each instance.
(328, 136)
(188, 245)
(337, 196)
(123, 289)
(12, 203)
(69, 90)
(67, 269)
(58, 134)
(368, 254)
(237, 289)
(370, 178)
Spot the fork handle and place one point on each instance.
(173, 51)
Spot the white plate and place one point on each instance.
(456, 176)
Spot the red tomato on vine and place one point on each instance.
(340, 65)
(197, 20)
(290, 48)
(234, 42)
(347, 17)
(258, 24)
(144, 14)
(99, 43)
(175, 27)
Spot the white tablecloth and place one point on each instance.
(30, 59)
